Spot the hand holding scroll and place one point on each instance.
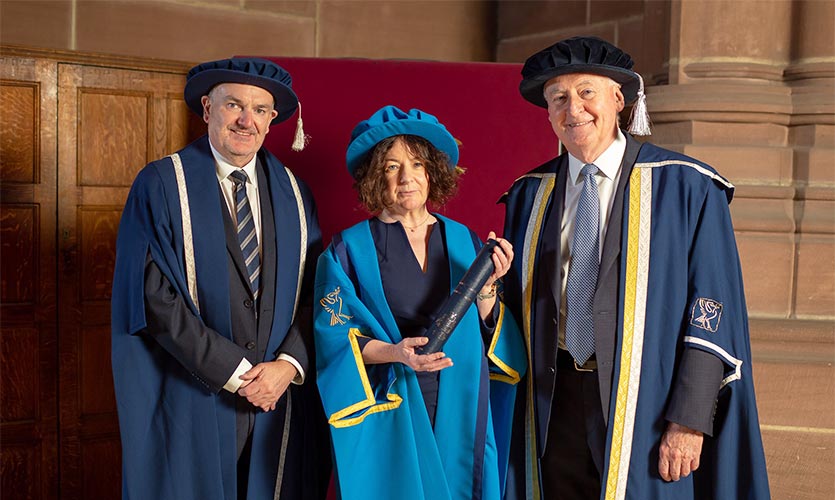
(493, 260)
(502, 257)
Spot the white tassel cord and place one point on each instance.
(639, 123)
(301, 139)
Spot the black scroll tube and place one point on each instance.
(455, 306)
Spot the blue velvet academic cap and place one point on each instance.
(247, 70)
(581, 54)
(389, 121)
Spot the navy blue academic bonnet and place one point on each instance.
(246, 70)
(581, 54)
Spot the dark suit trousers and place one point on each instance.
(573, 460)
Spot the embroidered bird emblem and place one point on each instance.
(332, 303)
(709, 312)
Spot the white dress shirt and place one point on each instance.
(223, 168)
(608, 174)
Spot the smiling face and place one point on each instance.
(583, 111)
(407, 180)
(238, 118)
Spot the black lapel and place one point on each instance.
(546, 307)
(551, 232)
(268, 257)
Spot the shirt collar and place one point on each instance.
(223, 168)
(608, 162)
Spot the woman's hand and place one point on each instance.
(403, 352)
(502, 258)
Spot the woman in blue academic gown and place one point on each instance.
(407, 425)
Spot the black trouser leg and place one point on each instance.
(573, 460)
(243, 468)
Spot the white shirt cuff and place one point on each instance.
(234, 382)
(299, 379)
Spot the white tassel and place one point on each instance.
(639, 123)
(301, 139)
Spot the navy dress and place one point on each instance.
(414, 296)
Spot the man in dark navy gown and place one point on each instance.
(211, 307)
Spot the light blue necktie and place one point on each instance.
(246, 231)
(582, 273)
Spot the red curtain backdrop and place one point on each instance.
(502, 136)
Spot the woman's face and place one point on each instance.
(407, 181)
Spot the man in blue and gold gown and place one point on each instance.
(640, 382)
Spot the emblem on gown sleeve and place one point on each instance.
(706, 314)
(332, 303)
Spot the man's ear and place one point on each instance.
(619, 99)
(207, 103)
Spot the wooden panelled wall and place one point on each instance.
(75, 130)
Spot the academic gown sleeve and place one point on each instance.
(297, 343)
(154, 392)
(693, 400)
(700, 370)
(350, 390)
(716, 323)
(146, 263)
(208, 355)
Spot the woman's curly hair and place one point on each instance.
(370, 178)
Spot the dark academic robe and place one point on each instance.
(178, 427)
(670, 281)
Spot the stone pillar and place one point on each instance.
(812, 136)
(752, 92)
(726, 104)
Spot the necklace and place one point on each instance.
(412, 229)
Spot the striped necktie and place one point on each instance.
(246, 231)
(582, 274)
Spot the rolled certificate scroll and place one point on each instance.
(455, 306)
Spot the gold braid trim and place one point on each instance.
(510, 376)
(631, 354)
(532, 233)
(340, 418)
